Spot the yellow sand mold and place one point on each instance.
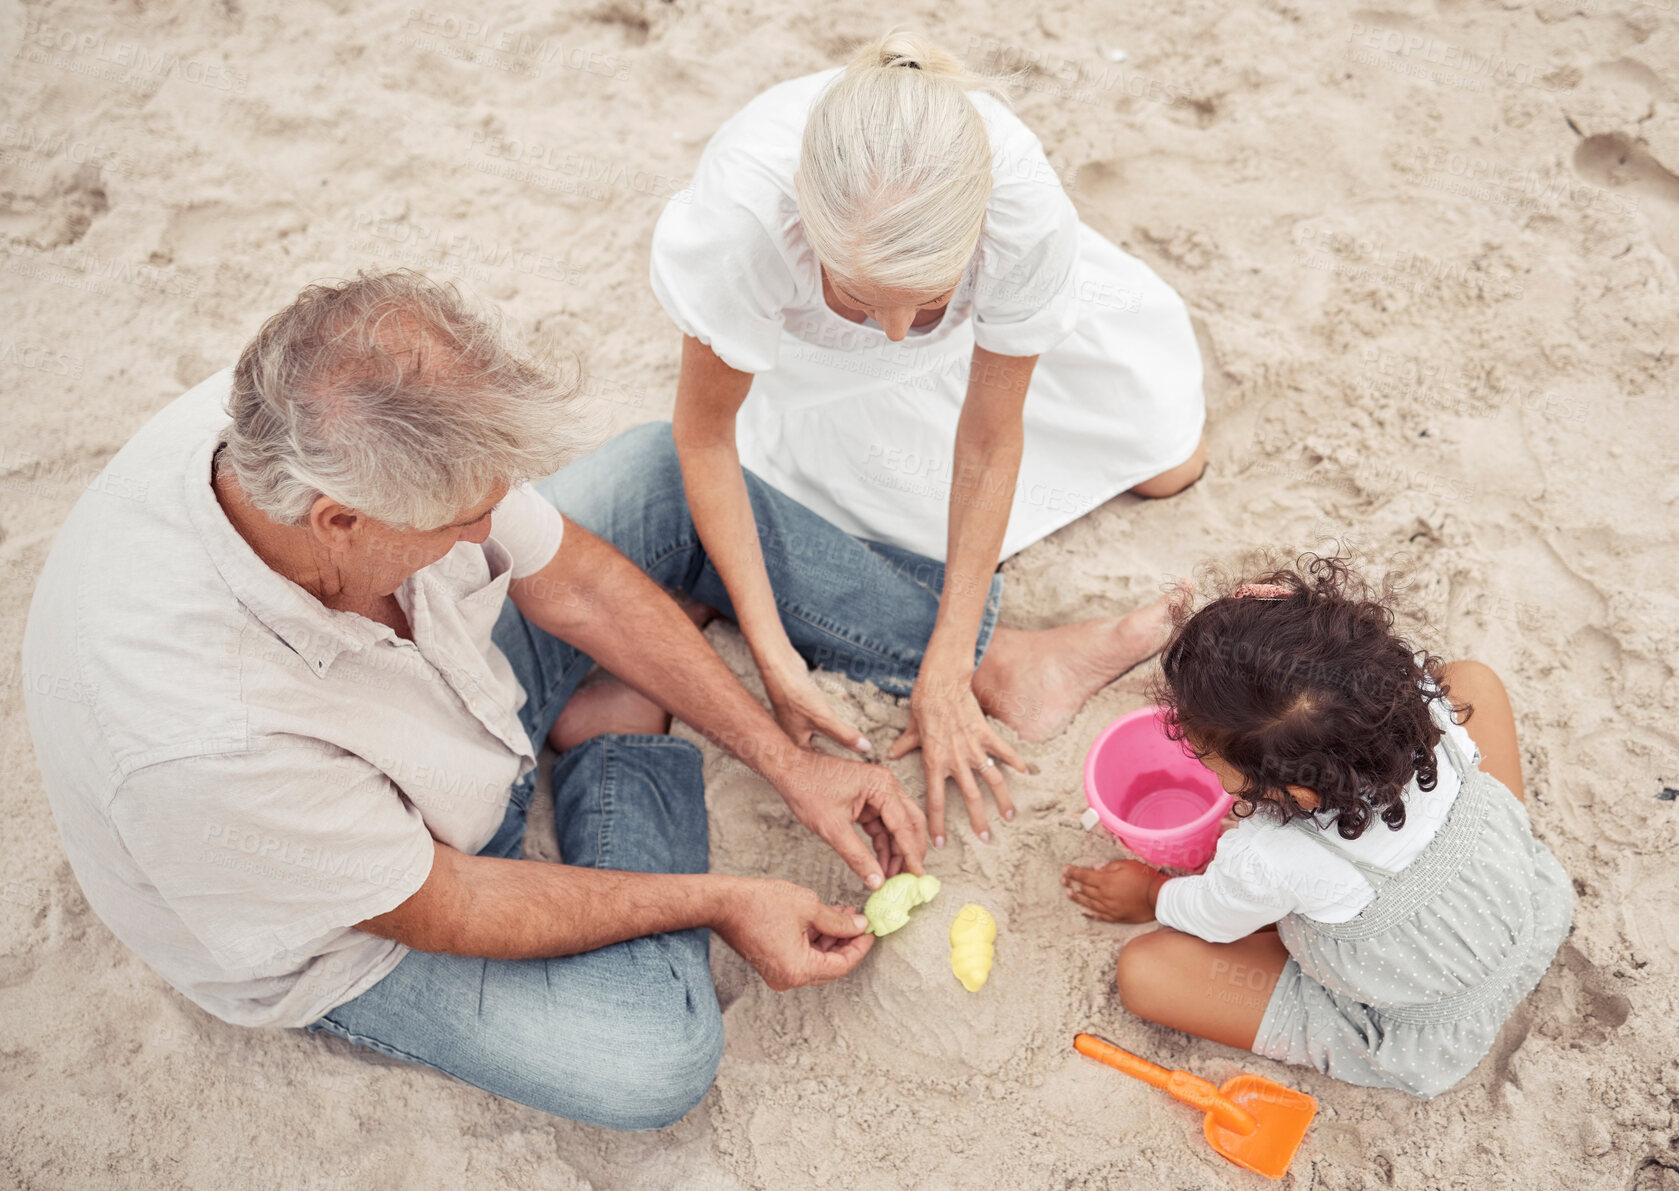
(973, 938)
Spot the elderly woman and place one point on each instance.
(893, 315)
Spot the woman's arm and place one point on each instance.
(989, 438)
(709, 394)
(947, 722)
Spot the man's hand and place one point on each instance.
(831, 794)
(1119, 891)
(790, 936)
(524, 909)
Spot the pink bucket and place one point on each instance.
(1152, 793)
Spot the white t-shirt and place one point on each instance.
(734, 268)
(241, 774)
(1265, 870)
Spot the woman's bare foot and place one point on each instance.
(606, 705)
(1035, 681)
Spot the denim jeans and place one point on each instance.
(629, 1036)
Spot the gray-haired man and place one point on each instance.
(313, 667)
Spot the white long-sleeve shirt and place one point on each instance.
(1265, 870)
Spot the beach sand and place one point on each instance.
(1430, 252)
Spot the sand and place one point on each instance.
(1430, 251)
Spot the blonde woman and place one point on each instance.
(894, 316)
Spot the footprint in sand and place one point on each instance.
(627, 18)
(1619, 164)
(1656, 1174)
(60, 214)
(1600, 1010)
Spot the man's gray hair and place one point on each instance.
(392, 395)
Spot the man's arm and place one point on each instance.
(525, 909)
(593, 597)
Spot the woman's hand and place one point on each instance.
(946, 722)
(956, 741)
(1119, 891)
(801, 708)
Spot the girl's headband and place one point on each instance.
(1262, 591)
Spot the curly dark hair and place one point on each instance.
(1304, 682)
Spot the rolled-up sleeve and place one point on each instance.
(719, 273)
(260, 853)
(1024, 299)
(528, 528)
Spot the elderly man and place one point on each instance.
(290, 663)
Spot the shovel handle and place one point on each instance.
(1180, 1085)
(1104, 1051)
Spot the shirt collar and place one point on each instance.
(313, 631)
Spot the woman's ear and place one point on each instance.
(1305, 798)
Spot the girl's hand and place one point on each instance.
(1119, 891)
(956, 741)
(800, 707)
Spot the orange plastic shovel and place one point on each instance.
(1255, 1123)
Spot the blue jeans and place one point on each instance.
(629, 1036)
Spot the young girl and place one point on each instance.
(1382, 835)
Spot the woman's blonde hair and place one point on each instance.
(895, 168)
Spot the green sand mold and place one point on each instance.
(888, 907)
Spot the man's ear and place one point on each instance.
(331, 524)
(1307, 799)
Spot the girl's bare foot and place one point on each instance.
(606, 705)
(1035, 681)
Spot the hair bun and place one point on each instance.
(905, 48)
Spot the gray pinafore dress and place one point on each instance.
(1411, 992)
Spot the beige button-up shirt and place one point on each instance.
(240, 773)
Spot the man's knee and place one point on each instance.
(650, 446)
(607, 490)
(667, 1073)
(645, 456)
